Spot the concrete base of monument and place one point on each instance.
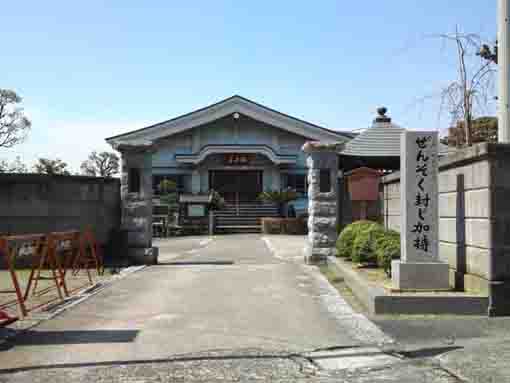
(379, 297)
(420, 276)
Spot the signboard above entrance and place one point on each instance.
(238, 158)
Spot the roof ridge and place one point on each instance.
(223, 101)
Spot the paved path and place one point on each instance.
(227, 294)
(236, 308)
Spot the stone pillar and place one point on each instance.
(136, 218)
(322, 162)
(419, 266)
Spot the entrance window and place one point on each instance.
(134, 180)
(296, 182)
(325, 181)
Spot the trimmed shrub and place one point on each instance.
(387, 248)
(363, 248)
(345, 241)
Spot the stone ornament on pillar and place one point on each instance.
(419, 267)
(322, 162)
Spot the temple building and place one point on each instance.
(236, 147)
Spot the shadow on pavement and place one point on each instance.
(428, 352)
(193, 263)
(175, 359)
(46, 338)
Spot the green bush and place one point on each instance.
(278, 196)
(345, 241)
(387, 248)
(369, 242)
(217, 201)
(364, 245)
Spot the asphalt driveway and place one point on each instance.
(226, 293)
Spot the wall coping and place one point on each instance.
(461, 157)
(35, 177)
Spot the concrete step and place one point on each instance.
(255, 221)
(231, 229)
(249, 208)
(244, 218)
(263, 214)
(252, 204)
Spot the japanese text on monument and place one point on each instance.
(422, 225)
(419, 201)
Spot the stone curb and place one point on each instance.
(41, 315)
(379, 301)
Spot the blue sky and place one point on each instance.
(88, 70)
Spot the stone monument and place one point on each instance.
(419, 267)
(322, 162)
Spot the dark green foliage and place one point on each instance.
(217, 201)
(387, 248)
(364, 246)
(345, 241)
(167, 186)
(51, 167)
(369, 242)
(362, 249)
(278, 196)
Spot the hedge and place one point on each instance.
(363, 248)
(345, 241)
(387, 249)
(369, 242)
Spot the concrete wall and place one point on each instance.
(474, 215)
(32, 203)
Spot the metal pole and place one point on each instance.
(504, 69)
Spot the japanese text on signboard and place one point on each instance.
(422, 225)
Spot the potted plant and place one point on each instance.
(279, 197)
(217, 201)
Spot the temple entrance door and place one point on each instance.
(237, 185)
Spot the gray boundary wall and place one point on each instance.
(35, 203)
(474, 216)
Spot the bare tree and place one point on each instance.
(473, 89)
(51, 167)
(15, 166)
(104, 164)
(14, 126)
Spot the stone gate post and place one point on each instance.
(322, 165)
(136, 195)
